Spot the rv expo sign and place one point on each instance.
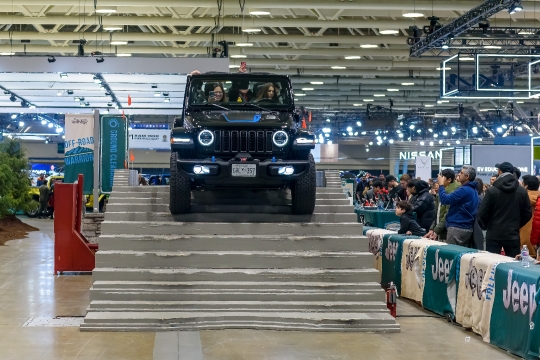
(407, 155)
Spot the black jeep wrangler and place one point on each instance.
(241, 131)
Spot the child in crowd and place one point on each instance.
(408, 225)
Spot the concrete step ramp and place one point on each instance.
(236, 274)
(235, 306)
(233, 243)
(238, 260)
(187, 321)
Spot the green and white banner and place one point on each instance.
(113, 149)
(79, 150)
(440, 289)
(513, 318)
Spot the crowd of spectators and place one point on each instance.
(460, 209)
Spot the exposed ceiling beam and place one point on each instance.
(127, 5)
(228, 21)
(62, 36)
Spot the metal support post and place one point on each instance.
(97, 159)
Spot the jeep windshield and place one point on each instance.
(240, 91)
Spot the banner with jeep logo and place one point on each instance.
(513, 317)
(79, 150)
(440, 289)
(392, 251)
(413, 264)
(476, 290)
(375, 239)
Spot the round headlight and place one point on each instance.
(206, 138)
(280, 138)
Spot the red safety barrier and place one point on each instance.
(72, 252)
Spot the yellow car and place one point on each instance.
(34, 191)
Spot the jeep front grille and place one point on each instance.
(243, 141)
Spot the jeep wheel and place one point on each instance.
(34, 210)
(180, 189)
(304, 190)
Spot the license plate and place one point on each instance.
(244, 170)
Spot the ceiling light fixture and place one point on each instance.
(7, 53)
(316, 82)
(118, 42)
(392, 89)
(259, 13)
(112, 28)
(251, 30)
(308, 89)
(300, 95)
(244, 44)
(445, 46)
(369, 46)
(353, 57)
(388, 32)
(338, 67)
(59, 93)
(12, 98)
(99, 60)
(358, 104)
(466, 59)
(491, 47)
(167, 100)
(105, 10)
(516, 7)
(407, 83)
(379, 95)
(123, 55)
(234, 66)
(444, 68)
(413, 15)
(238, 56)
(63, 76)
(51, 59)
(368, 100)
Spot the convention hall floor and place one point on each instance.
(28, 289)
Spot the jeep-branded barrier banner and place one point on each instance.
(485, 157)
(413, 263)
(512, 325)
(113, 149)
(79, 150)
(440, 288)
(392, 251)
(149, 139)
(476, 290)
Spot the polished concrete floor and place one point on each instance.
(28, 289)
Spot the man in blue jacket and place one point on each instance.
(463, 207)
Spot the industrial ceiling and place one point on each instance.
(341, 54)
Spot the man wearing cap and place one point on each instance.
(504, 210)
(397, 191)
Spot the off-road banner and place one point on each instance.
(113, 149)
(79, 150)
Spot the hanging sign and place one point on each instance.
(423, 167)
(79, 150)
(149, 139)
(113, 149)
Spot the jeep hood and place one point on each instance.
(244, 119)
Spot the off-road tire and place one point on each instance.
(180, 189)
(304, 191)
(35, 211)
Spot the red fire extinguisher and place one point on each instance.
(391, 298)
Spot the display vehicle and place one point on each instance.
(241, 131)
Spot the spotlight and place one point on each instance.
(50, 125)
(63, 76)
(43, 122)
(166, 94)
(445, 47)
(99, 60)
(70, 92)
(51, 59)
(13, 98)
(14, 116)
(6, 92)
(167, 100)
(516, 7)
(109, 104)
(97, 80)
(80, 51)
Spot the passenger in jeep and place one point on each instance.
(218, 94)
(268, 91)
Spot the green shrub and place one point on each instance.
(14, 181)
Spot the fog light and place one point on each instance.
(201, 169)
(286, 170)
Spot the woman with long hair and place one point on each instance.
(219, 94)
(268, 91)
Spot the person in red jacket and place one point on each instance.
(535, 229)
